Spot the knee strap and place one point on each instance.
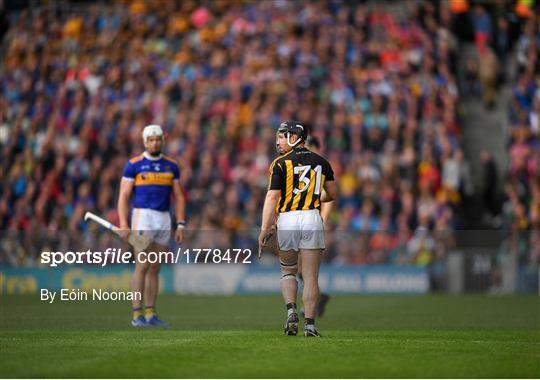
(288, 276)
(287, 265)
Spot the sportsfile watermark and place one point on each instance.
(112, 256)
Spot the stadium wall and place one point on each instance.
(31, 280)
(241, 279)
(226, 279)
(217, 279)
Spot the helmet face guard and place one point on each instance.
(295, 127)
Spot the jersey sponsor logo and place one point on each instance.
(151, 178)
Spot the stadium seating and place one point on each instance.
(377, 88)
(521, 210)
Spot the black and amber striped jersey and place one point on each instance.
(300, 175)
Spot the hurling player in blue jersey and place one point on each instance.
(150, 178)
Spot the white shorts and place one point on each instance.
(301, 229)
(152, 223)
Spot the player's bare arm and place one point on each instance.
(269, 214)
(327, 200)
(329, 193)
(326, 209)
(126, 188)
(180, 212)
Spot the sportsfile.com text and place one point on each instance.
(119, 256)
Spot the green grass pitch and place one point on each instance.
(241, 336)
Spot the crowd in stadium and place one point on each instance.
(521, 210)
(378, 91)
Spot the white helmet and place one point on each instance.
(151, 131)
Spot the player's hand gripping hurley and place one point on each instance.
(140, 243)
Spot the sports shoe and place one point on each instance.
(139, 322)
(291, 325)
(312, 333)
(155, 321)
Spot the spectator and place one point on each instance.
(488, 71)
(482, 26)
(502, 45)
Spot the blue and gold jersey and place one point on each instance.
(153, 181)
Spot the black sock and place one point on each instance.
(310, 322)
(291, 305)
